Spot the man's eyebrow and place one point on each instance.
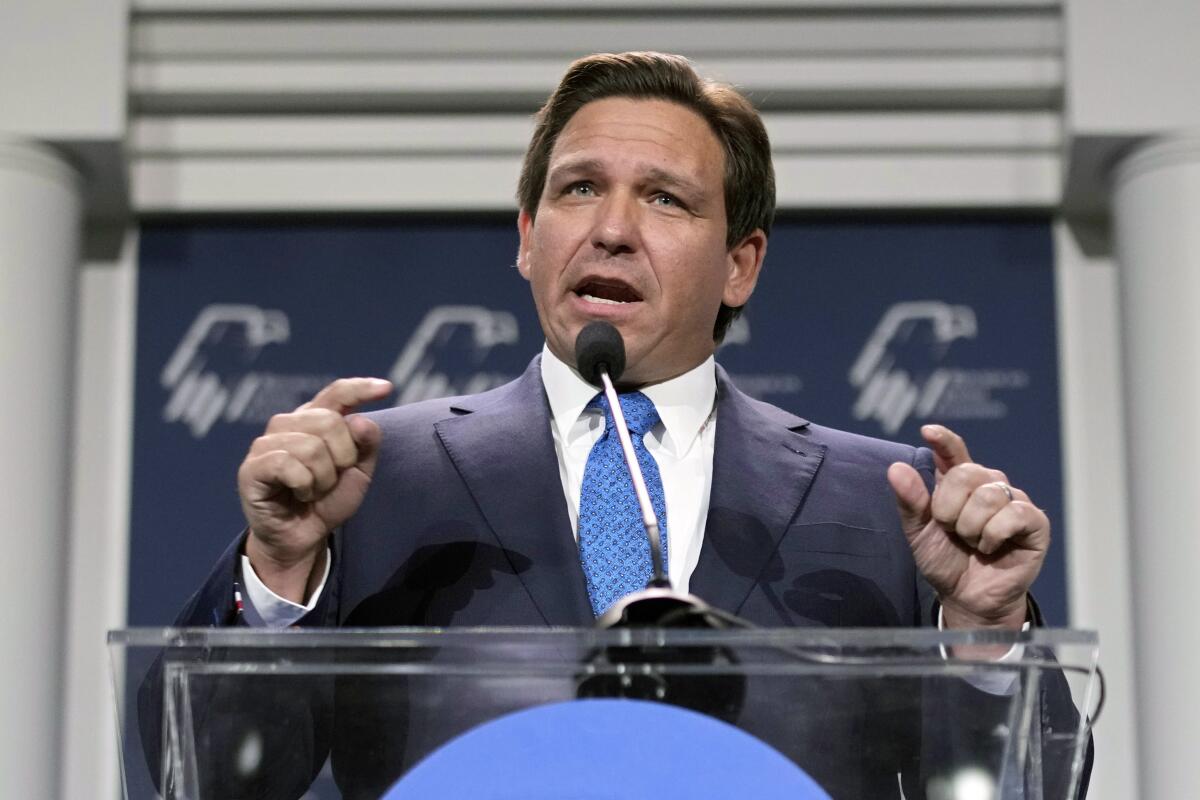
(673, 180)
(575, 167)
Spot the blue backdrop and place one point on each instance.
(875, 326)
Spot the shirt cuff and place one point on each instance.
(999, 682)
(265, 609)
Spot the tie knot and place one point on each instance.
(639, 410)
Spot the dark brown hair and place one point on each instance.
(749, 175)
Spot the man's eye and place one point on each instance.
(666, 201)
(581, 189)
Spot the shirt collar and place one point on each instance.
(684, 403)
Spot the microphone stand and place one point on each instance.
(649, 518)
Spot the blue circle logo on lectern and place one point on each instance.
(606, 750)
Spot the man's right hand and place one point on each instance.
(306, 475)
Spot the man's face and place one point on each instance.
(631, 229)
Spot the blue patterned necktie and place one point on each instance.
(612, 539)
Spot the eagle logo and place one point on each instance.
(209, 376)
(448, 353)
(899, 372)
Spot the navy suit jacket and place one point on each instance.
(466, 524)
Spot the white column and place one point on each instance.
(1156, 217)
(1091, 382)
(41, 213)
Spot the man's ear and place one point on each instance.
(524, 230)
(744, 262)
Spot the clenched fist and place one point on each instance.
(978, 541)
(306, 475)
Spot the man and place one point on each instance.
(646, 196)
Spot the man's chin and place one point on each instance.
(577, 322)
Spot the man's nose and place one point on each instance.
(616, 227)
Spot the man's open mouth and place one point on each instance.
(607, 291)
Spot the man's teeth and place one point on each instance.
(591, 298)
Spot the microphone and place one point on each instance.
(600, 358)
(599, 348)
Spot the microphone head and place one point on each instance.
(599, 343)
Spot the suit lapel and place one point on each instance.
(503, 449)
(763, 468)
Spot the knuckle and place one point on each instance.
(944, 514)
(322, 420)
(1024, 510)
(265, 467)
(277, 460)
(333, 422)
(345, 455)
(1032, 513)
(279, 422)
(955, 476)
(968, 527)
(321, 463)
(308, 446)
(998, 528)
(299, 479)
(340, 388)
(965, 476)
(996, 495)
(977, 473)
(305, 416)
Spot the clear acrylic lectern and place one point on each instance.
(224, 713)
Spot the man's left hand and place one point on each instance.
(978, 541)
